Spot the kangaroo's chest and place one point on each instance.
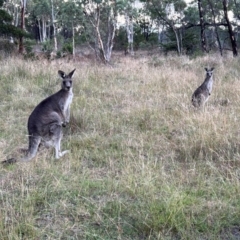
(210, 85)
(66, 102)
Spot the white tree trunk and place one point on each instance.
(178, 40)
(73, 41)
(103, 50)
(54, 28)
(129, 29)
(16, 13)
(44, 29)
(110, 37)
(99, 44)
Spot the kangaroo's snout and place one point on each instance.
(67, 84)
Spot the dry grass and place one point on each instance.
(143, 164)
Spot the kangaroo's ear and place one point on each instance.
(61, 74)
(206, 69)
(71, 73)
(212, 68)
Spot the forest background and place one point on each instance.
(60, 27)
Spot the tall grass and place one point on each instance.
(144, 164)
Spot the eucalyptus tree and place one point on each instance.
(23, 10)
(41, 15)
(208, 22)
(103, 17)
(7, 27)
(53, 21)
(126, 8)
(44, 15)
(202, 26)
(191, 35)
(17, 11)
(230, 28)
(13, 7)
(215, 15)
(169, 13)
(71, 16)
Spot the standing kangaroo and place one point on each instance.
(202, 93)
(47, 119)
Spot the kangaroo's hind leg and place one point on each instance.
(56, 131)
(34, 142)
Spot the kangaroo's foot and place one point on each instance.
(60, 154)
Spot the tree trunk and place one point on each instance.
(54, 28)
(100, 51)
(73, 41)
(215, 28)
(230, 30)
(40, 30)
(160, 32)
(129, 29)
(23, 6)
(202, 26)
(44, 29)
(177, 39)
(110, 35)
(16, 12)
(103, 50)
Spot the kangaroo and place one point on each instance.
(47, 119)
(202, 93)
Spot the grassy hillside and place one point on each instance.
(144, 164)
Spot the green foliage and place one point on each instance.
(190, 42)
(6, 27)
(47, 46)
(191, 15)
(4, 16)
(67, 47)
(120, 39)
(6, 46)
(28, 46)
(41, 8)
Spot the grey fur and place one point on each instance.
(202, 93)
(46, 121)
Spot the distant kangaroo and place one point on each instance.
(202, 93)
(46, 121)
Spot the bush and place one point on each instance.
(7, 47)
(67, 47)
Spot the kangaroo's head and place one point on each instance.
(209, 72)
(66, 79)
